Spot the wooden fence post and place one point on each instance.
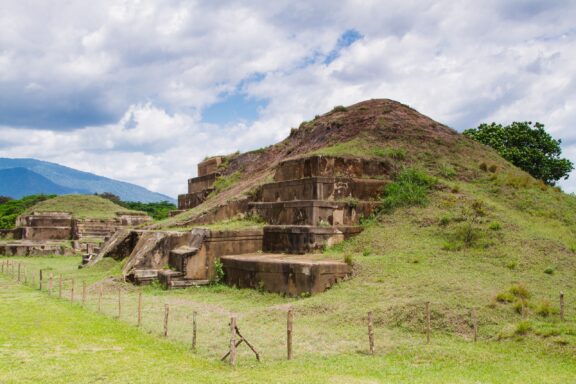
(40, 279)
(370, 333)
(84, 292)
(289, 329)
(475, 324)
(119, 303)
(194, 331)
(50, 284)
(562, 306)
(427, 322)
(60, 286)
(19, 266)
(140, 309)
(100, 299)
(166, 312)
(25, 275)
(72, 292)
(232, 341)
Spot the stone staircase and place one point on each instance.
(313, 203)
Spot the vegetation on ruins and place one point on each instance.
(157, 211)
(81, 207)
(411, 187)
(225, 182)
(10, 209)
(527, 146)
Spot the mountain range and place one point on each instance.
(23, 177)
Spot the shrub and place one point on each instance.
(444, 221)
(495, 226)
(219, 270)
(523, 328)
(520, 291)
(468, 234)
(505, 297)
(366, 252)
(410, 188)
(339, 108)
(225, 182)
(544, 308)
(511, 265)
(484, 167)
(549, 271)
(479, 208)
(447, 171)
(493, 168)
(348, 259)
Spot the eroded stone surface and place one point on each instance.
(290, 275)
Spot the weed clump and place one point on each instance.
(495, 226)
(549, 271)
(225, 182)
(447, 171)
(411, 188)
(348, 259)
(339, 108)
(544, 309)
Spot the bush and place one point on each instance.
(339, 108)
(468, 234)
(484, 167)
(444, 221)
(219, 271)
(505, 297)
(523, 328)
(348, 259)
(11, 209)
(225, 182)
(493, 168)
(447, 171)
(549, 271)
(520, 291)
(410, 188)
(544, 308)
(495, 226)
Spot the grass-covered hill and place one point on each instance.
(460, 227)
(81, 207)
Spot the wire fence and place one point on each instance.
(215, 332)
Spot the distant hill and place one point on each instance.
(20, 182)
(22, 177)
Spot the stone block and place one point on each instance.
(289, 275)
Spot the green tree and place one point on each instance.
(528, 146)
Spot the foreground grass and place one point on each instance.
(49, 340)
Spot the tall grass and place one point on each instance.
(411, 188)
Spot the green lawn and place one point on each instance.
(49, 340)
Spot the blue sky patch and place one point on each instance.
(233, 108)
(345, 40)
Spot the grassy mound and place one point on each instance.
(81, 207)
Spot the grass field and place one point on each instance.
(48, 340)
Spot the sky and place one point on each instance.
(142, 90)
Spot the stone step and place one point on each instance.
(323, 188)
(313, 212)
(185, 283)
(286, 274)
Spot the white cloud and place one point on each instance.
(118, 87)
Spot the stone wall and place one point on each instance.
(329, 166)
